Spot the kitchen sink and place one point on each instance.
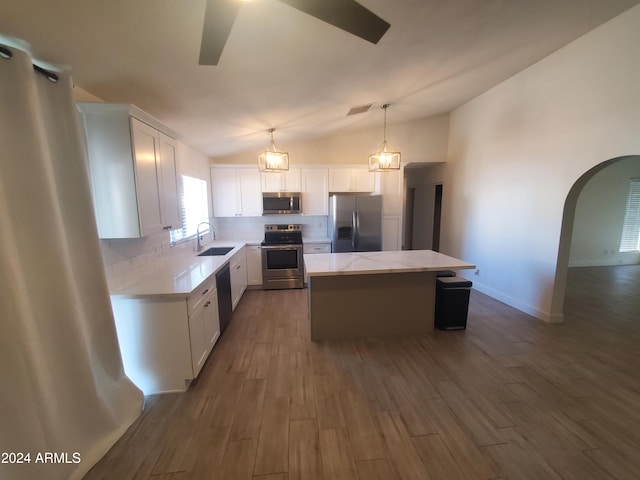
(215, 251)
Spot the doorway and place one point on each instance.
(423, 215)
(595, 232)
(437, 215)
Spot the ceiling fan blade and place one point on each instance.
(218, 20)
(347, 15)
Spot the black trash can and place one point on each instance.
(452, 302)
(445, 273)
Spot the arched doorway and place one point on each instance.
(568, 218)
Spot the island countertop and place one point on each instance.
(362, 263)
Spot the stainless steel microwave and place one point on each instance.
(278, 203)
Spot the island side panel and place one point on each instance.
(379, 305)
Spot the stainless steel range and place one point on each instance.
(282, 257)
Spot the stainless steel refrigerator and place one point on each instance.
(355, 223)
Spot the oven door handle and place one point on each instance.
(281, 247)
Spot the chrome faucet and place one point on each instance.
(198, 242)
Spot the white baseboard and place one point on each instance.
(517, 304)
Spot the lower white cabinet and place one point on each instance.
(322, 247)
(165, 341)
(204, 326)
(316, 247)
(238, 267)
(254, 265)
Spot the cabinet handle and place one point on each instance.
(238, 267)
(168, 227)
(204, 293)
(207, 304)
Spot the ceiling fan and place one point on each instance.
(347, 15)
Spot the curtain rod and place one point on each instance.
(52, 77)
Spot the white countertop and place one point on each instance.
(178, 275)
(361, 263)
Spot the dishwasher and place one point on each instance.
(223, 285)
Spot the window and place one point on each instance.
(630, 241)
(193, 208)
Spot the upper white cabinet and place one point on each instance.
(356, 179)
(236, 192)
(288, 181)
(132, 165)
(168, 178)
(315, 191)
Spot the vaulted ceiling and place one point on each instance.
(285, 69)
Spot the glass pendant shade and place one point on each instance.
(384, 160)
(272, 160)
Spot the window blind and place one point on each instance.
(630, 239)
(193, 208)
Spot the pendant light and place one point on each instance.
(272, 160)
(384, 160)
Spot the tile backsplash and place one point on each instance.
(123, 257)
(252, 228)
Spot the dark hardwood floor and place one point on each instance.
(509, 397)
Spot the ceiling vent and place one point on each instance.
(361, 109)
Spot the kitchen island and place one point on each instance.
(374, 294)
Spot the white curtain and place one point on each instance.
(63, 390)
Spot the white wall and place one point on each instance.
(516, 151)
(599, 217)
(423, 140)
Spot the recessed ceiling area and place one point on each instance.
(285, 69)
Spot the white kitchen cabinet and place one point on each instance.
(351, 180)
(254, 265)
(391, 186)
(204, 326)
(236, 192)
(391, 232)
(315, 247)
(168, 178)
(164, 342)
(392, 189)
(324, 247)
(287, 181)
(132, 167)
(315, 191)
(238, 267)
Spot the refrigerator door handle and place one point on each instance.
(356, 232)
